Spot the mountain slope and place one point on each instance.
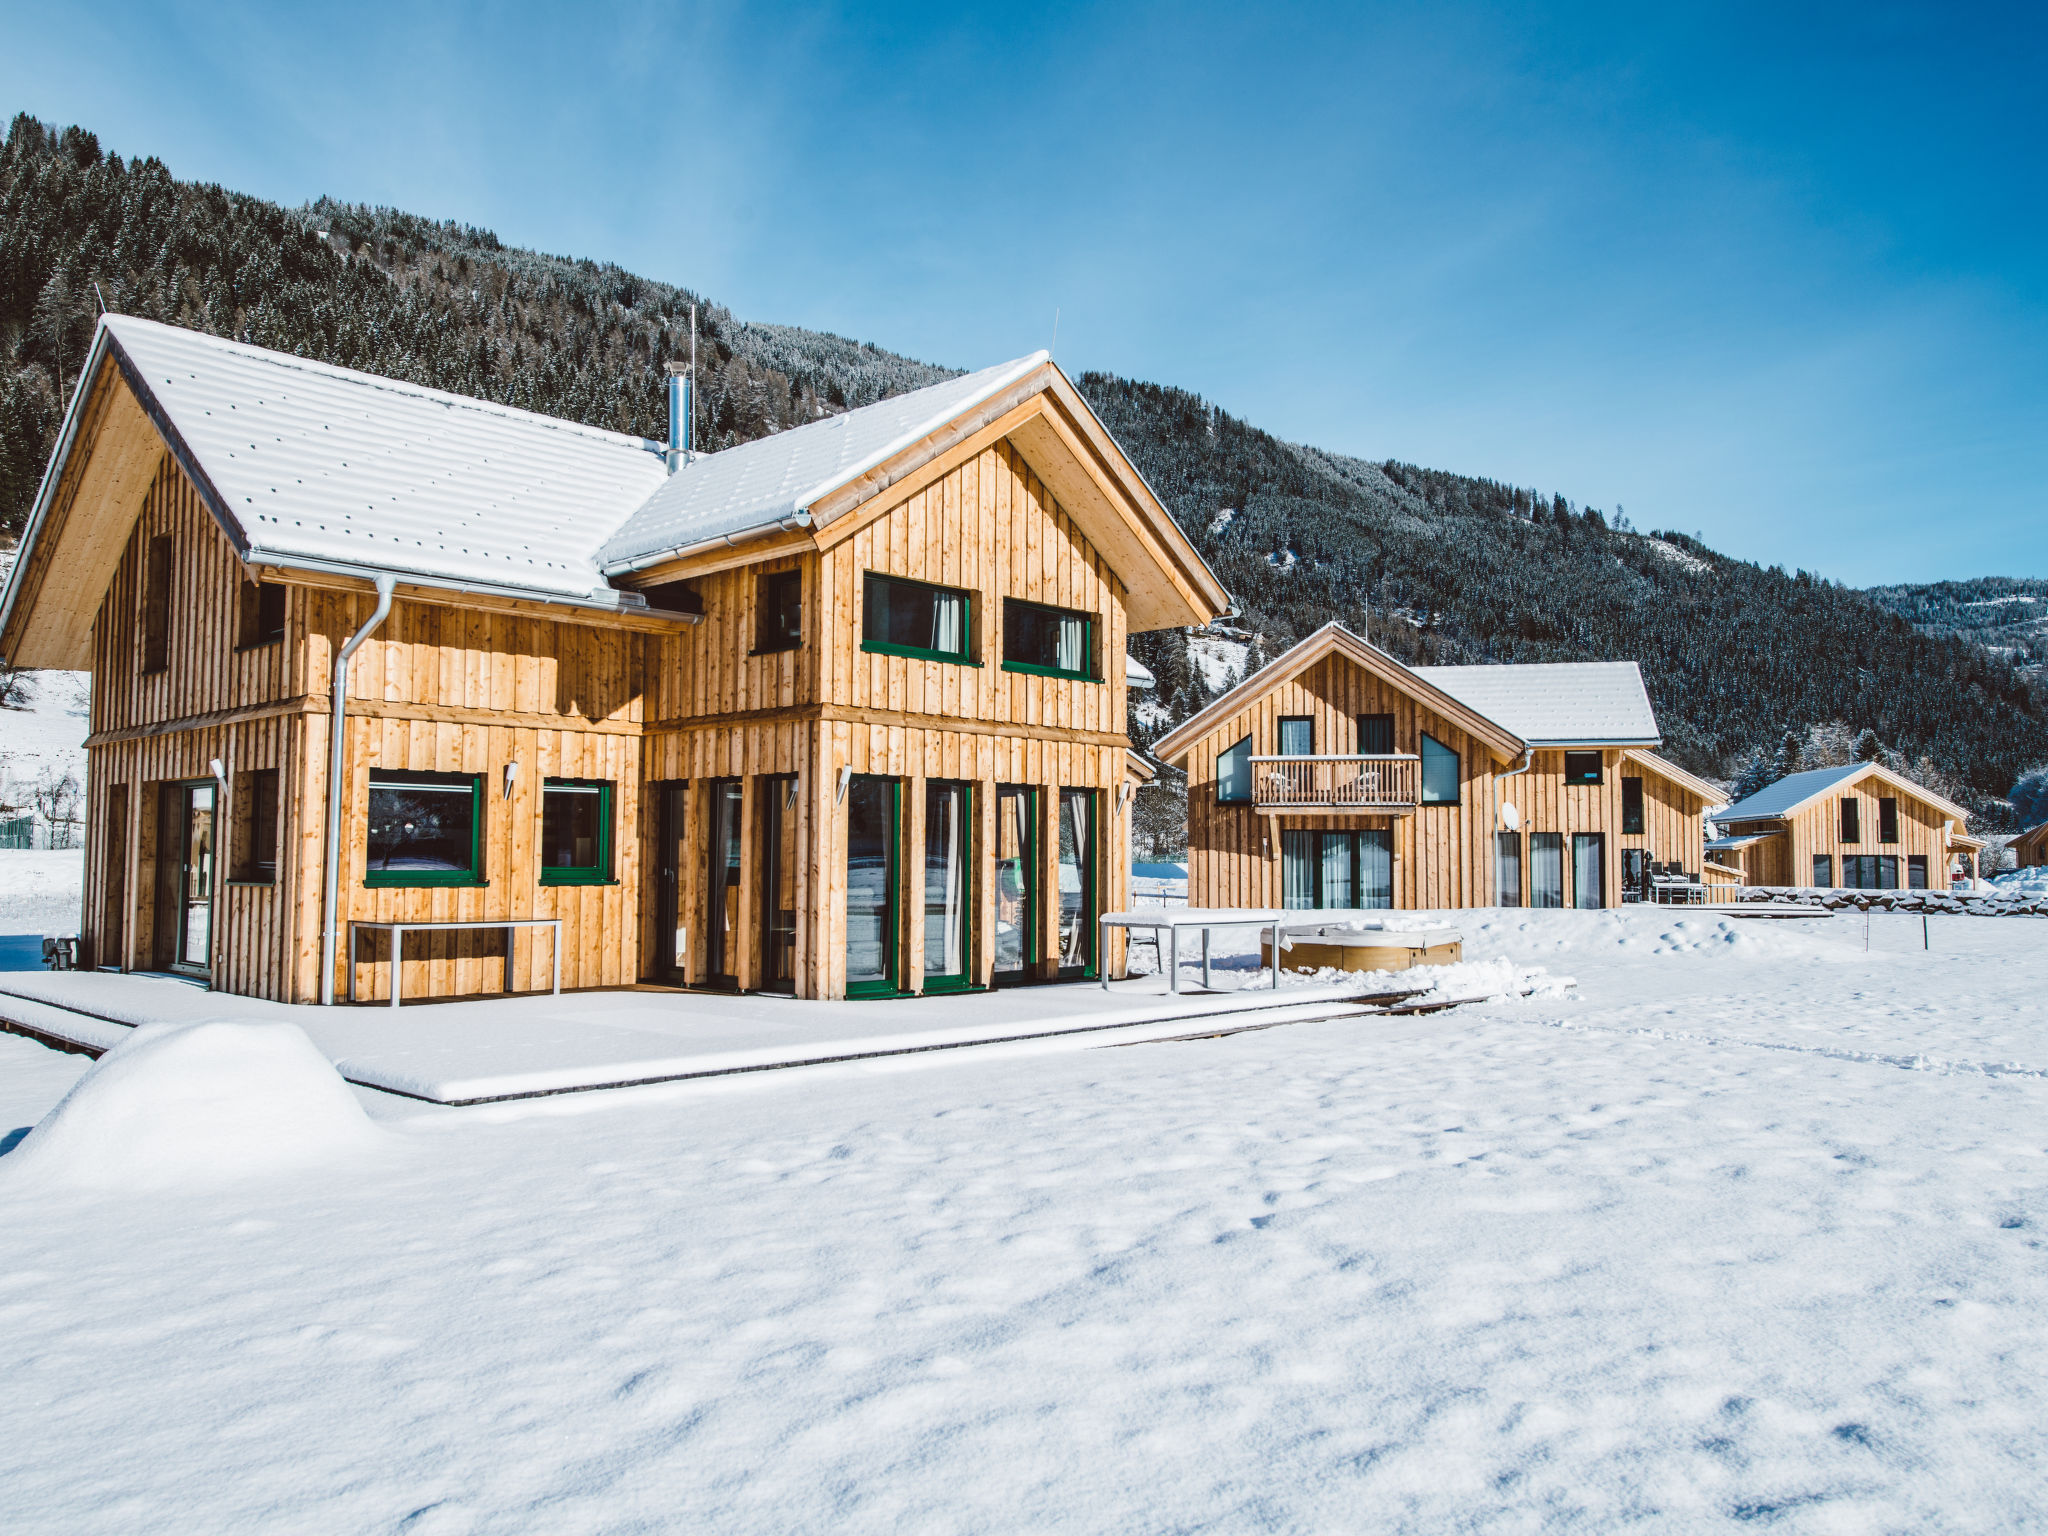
(1440, 567)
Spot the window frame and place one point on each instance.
(159, 560)
(1916, 864)
(1280, 735)
(1244, 742)
(1634, 819)
(385, 879)
(576, 874)
(253, 628)
(1503, 841)
(1577, 777)
(1363, 750)
(1823, 867)
(1422, 794)
(1091, 671)
(966, 655)
(1888, 818)
(1849, 820)
(247, 866)
(766, 583)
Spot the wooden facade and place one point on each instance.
(676, 713)
(1789, 847)
(1445, 852)
(2030, 848)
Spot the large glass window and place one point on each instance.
(1440, 775)
(1582, 768)
(1852, 831)
(1823, 871)
(1056, 642)
(1916, 871)
(1888, 820)
(1337, 869)
(873, 812)
(1870, 871)
(425, 829)
(1546, 869)
(1589, 870)
(1077, 881)
(1234, 773)
(779, 611)
(1507, 868)
(1375, 735)
(777, 881)
(1297, 736)
(575, 832)
(1632, 807)
(722, 887)
(947, 842)
(913, 618)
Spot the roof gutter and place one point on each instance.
(448, 584)
(797, 522)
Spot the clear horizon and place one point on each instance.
(1773, 278)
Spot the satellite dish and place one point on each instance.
(1509, 816)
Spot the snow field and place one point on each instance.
(1647, 1256)
(40, 889)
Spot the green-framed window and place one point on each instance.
(576, 832)
(1048, 641)
(948, 885)
(425, 829)
(874, 886)
(900, 617)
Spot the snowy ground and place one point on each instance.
(1747, 1230)
(40, 889)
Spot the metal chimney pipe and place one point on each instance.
(678, 417)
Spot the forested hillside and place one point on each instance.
(1441, 567)
(2004, 614)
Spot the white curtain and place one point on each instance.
(947, 612)
(1073, 651)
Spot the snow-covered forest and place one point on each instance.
(1440, 567)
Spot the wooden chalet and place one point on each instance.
(1338, 777)
(1859, 826)
(840, 712)
(2030, 848)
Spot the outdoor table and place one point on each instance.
(1170, 921)
(398, 931)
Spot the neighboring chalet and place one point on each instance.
(839, 712)
(1859, 827)
(2030, 848)
(1338, 777)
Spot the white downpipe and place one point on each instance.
(337, 722)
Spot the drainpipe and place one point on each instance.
(1528, 757)
(337, 718)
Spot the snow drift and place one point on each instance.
(183, 1104)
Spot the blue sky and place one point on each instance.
(1772, 274)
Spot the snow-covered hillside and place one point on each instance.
(1746, 1231)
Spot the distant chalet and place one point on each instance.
(840, 712)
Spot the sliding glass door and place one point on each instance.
(1016, 893)
(1077, 882)
(1546, 869)
(948, 840)
(1348, 870)
(874, 811)
(1589, 870)
(722, 888)
(671, 923)
(777, 877)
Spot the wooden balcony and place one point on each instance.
(1379, 785)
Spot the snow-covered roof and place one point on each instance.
(1790, 792)
(1137, 674)
(1731, 844)
(325, 464)
(1563, 703)
(763, 482)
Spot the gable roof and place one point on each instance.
(1707, 791)
(780, 477)
(1333, 637)
(306, 465)
(1795, 791)
(1557, 703)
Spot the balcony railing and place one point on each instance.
(1379, 783)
